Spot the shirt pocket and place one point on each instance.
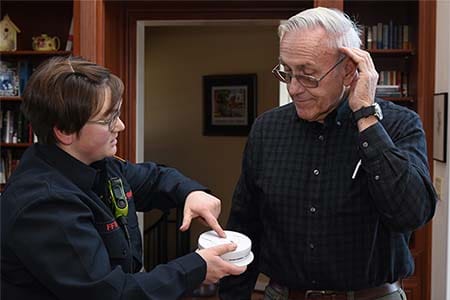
(115, 241)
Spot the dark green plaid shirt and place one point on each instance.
(311, 224)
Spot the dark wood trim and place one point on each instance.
(76, 27)
(33, 53)
(426, 68)
(115, 60)
(330, 3)
(89, 32)
(425, 89)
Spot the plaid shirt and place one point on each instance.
(311, 224)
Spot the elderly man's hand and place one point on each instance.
(362, 91)
(205, 206)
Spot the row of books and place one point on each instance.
(8, 163)
(389, 91)
(14, 127)
(386, 36)
(14, 76)
(392, 84)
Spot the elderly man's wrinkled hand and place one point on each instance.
(363, 87)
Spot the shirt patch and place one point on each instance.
(111, 226)
(129, 194)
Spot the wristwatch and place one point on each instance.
(373, 110)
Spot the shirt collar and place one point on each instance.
(82, 175)
(340, 114)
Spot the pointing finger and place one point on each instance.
(214, 224)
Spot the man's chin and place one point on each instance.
(303, 114)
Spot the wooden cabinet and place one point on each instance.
(33, 18)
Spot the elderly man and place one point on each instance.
(334, 183)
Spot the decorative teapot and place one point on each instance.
(45, 43)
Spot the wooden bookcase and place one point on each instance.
(418, 62)
(33, 18)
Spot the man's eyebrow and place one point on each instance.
(302, 66)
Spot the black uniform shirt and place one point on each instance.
(59, 240)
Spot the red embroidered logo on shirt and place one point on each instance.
(111, 226)
(129, 194)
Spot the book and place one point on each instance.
(406, 37)
(25, 70)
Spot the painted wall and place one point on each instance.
(176, 58)
(440, 278)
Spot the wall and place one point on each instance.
(176, 58)
(440, 278)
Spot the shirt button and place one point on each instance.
(313, 281)
(311, 245)
(365, 144)
(312, 209)
(338, 123)
(321, 138)
(377, 177)
(124, 251)
(316, 172)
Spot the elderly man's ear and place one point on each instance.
(351, 72)
(63, 137)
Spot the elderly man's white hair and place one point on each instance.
(342, 31)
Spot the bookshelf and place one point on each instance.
(33, 18)
(414, 56)
(389, 34)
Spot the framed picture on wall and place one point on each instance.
(440, 127)
(229, 104)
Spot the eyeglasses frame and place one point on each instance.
(111, 122)
(276, 72)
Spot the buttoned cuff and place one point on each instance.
(373, 141)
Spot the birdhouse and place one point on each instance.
(8, 34)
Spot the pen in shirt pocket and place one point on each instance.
(358, 165)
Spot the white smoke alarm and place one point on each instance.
(241, 256)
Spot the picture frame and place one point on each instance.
(229, 104)
(440, 117)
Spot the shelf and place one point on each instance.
(10, 98)
(34, 53)
(15, 145)
(391, 52)
(398, 99)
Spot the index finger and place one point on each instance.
(214, 224)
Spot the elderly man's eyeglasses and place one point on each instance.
(305, 80)
(110, 122)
